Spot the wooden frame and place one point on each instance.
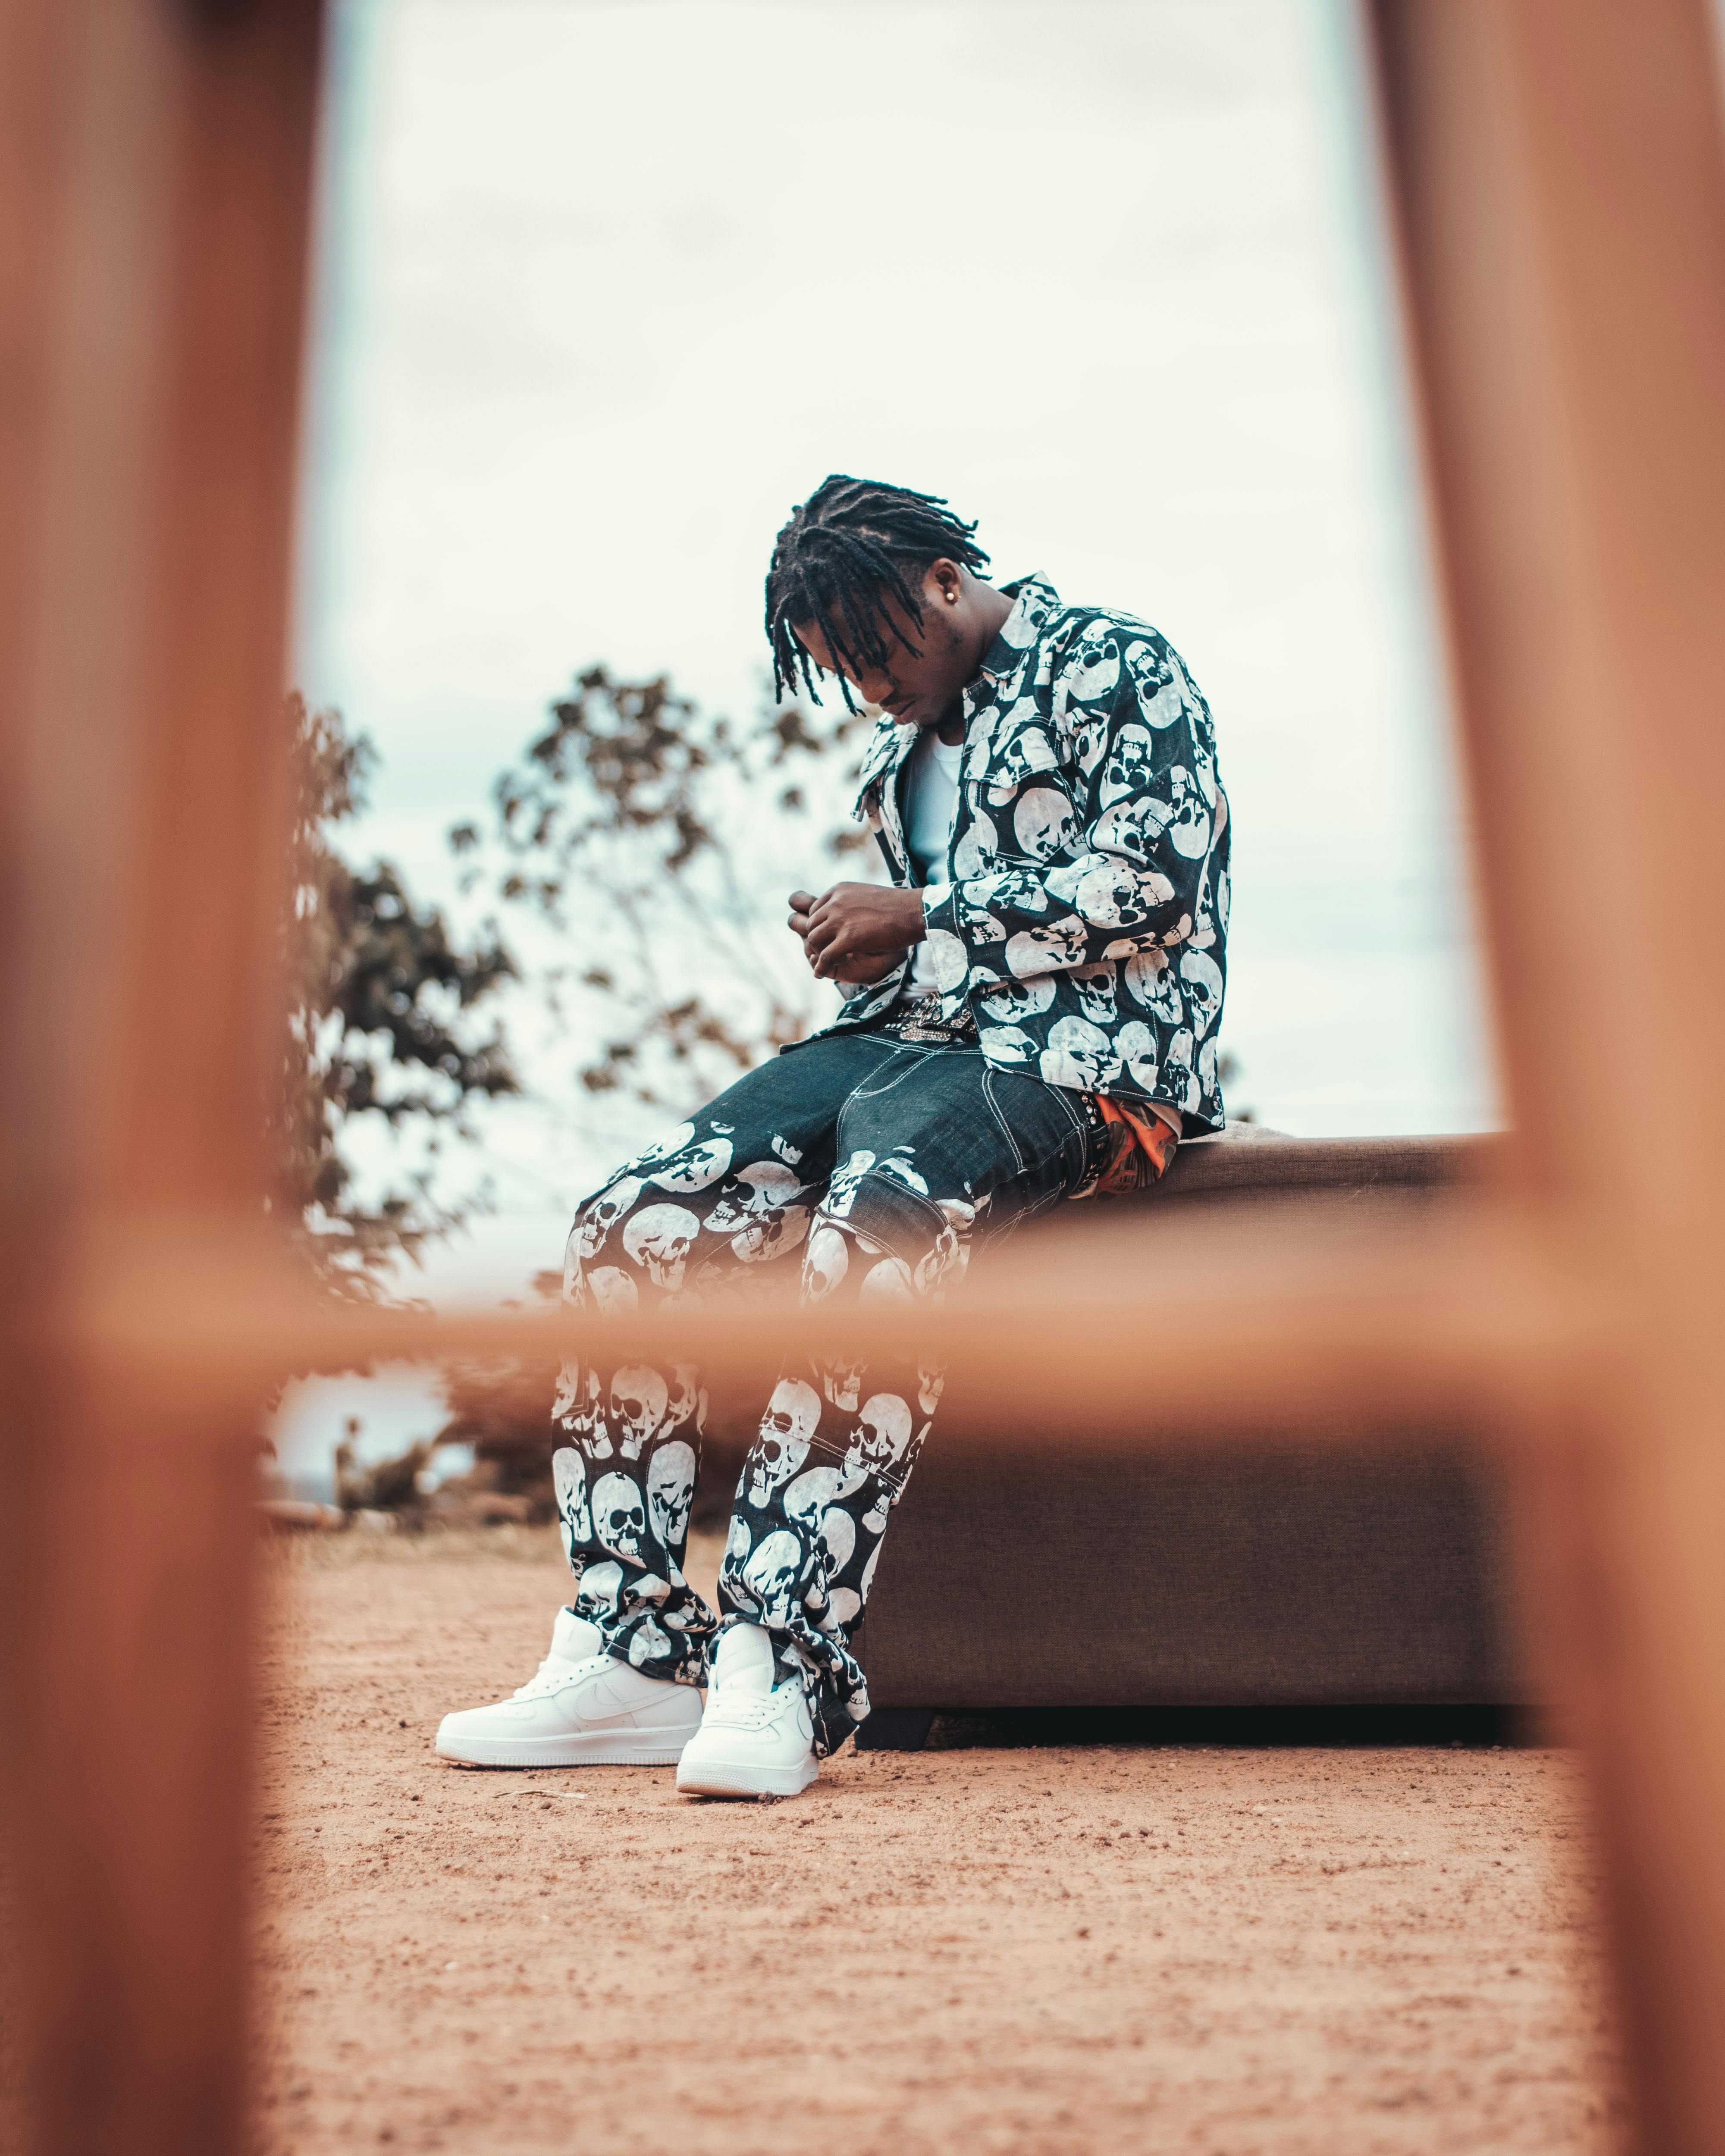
(1559, 175)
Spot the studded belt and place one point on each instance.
(918, 1019)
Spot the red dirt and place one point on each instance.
(1037, 1950)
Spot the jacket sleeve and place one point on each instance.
(1139, 783)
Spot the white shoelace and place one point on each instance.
(553, 1673)
(731, 1709)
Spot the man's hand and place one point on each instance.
(856, 932)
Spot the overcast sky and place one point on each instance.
(604, 286)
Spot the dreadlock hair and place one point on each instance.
(850, 543)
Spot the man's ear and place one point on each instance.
(944, 583)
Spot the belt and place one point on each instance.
(918, 1019)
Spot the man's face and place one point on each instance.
(918, 684)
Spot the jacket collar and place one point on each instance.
(885, 744)
(1035, 600)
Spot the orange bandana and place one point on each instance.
(1141, 1146)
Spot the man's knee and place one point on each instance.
(904, 1240)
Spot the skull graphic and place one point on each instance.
(887, 1281)
(1027, 752)
(791, 1418)
(598, 1217)
(1180, 1080)
(1135, 1044)
(596, 1598)
(1047, 950)
(977, 850)
(771, 1575)
(883, 1431)
(662, 1149)
(1127, 830)
(694, 1167)
(619, 1518)
(736, 1543)
(841, 1379)
(1150, 980)
(1045, 822)
(807, 1498)
(648, 1643)
(824, 1264)
(574, 1520)
(948, 1256)
(1202, 978)
(837, 1536)
(685, 1398)
(671, 1492)
(770, 1235)
(1090, 739)
(1013, 1001)
(1095, 986)
(1115, 895)
(1094, 668)
(1022, 889)
(638, 1403)
(1189, 828)
(1159, 682)
(841, 1191)
(1007, 1044)
(1207, 1064)
(1079, 1055)
(576, 1406)
(981, 925)
(658, 1239)
(947, 959)
(752, 1193)
(1127, 771)
(611, 1289)
(931, 1383)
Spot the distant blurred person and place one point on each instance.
(1031, 1015)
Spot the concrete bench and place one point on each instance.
(1323, 1573)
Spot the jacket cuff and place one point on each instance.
(940, 910)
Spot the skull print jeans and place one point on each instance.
(875, 1163)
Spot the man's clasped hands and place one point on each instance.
(856, 932)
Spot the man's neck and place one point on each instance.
(992, 608)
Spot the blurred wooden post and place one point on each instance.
(1559, 173)
(152, 289)
(1560, 180)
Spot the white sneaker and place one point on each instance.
(753, 1741)
(584, 1709)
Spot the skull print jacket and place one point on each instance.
(1085, 922)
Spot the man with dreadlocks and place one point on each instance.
(1029, 1014)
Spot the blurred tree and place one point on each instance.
(661, 842)
(657, 837)
(379, 1026)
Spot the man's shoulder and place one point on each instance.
(1076, 632)
(1092, 652)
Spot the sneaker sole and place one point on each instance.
(726, 1778)
(601, 1749)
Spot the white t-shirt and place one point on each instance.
(931, 801)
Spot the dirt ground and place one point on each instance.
(1164, 1948)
